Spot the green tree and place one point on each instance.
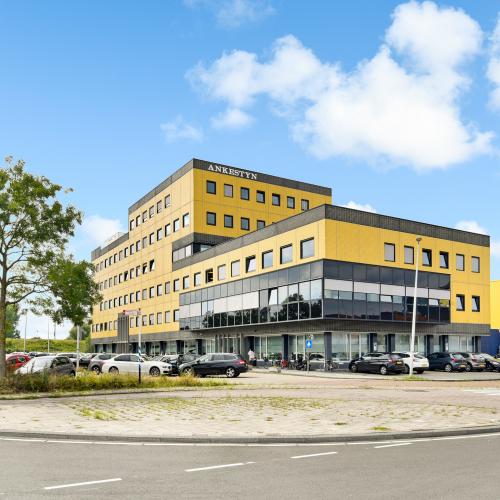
(12, 321)
(34, 230)
(84, 332)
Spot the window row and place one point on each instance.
(149, 214)
(128, 275)
(211, 219)
(260, 196)
(426, 259)
(250, 264)
(137, 296)
(134, 321)
(143, 243)
(475, 304)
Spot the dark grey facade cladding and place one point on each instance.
(311, 326)
(98, 252)
(207, 239)
(334, 212)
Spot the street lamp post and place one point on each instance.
(414, 316)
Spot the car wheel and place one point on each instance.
(188, 371)
(237, 374)
(230, 372)
(468, 367)
(383, 370)
(353, 368)
(155, 371)
(114, 370)
(96, 369)
(448, 368)
(407, 369)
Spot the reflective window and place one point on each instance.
(286, 254)
(267, 259)
(444, 260)
(460, 302)
(211, 219)
(235, 268)
(427, 258)
(276, 199)
(476, 304)
(245, 193)
(304, 205)
(475, 265)
(290, 202)
(251, 264)
(389, 252)
(307, 248)
(221, 272)
(228, 190)
(460, 262)
(261, 224)
(409, 255)
(228, 221)
(261, 197)
(245, 224)
(211, 187)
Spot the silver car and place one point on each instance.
(58, 365)
(129, 363)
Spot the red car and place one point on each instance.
(15, 361)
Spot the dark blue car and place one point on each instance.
(447, 361)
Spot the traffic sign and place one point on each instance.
(131, 312)
(309, 344)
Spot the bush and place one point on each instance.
(88, 381)
(15, 345)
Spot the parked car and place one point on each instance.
(129, 363)
(474, 360)
(70, 355)
(420, 362)
(177, 360)
(447, 361)
(377, 362)
(15, 361)
(221, 363)
(58, 365)
(98, 360)
(492, 363)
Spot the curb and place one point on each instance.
(270, 439)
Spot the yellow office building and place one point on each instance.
(495, 305)
(219, 258)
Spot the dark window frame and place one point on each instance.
(211, 183)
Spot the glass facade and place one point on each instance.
(319, 290)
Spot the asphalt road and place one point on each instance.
(438, 468)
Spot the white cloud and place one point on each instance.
(359, 206)
(494, 66)
(400, 107)
(472, 226)
(234, 13)
(98, 229)
(179, 129)
(232, 118)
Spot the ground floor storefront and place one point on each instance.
(340, 346)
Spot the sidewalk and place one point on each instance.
(265, 406)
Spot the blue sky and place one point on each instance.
(392, 104)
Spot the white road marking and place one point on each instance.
(214, 467)
(391, 445)
(65, 441)
(82, 484)
(316, 454)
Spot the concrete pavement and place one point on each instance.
(440, 468)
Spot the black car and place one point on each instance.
(492, 363)
(447, 361)
(377, 362)
(227, 364)
(177, 360)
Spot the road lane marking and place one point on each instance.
(316, 454)
(82, 484)
(391, 445)
(214, 467)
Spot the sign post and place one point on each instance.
(136, 313)
(309, 345)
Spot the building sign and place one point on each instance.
(232, 171)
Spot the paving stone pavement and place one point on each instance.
(266, 404)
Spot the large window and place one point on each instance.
(290, 202)
(185, 282)
(244, 193)
(460, 302)
(177, 225)
(185, 220)
(267, 259)
(307, 248)
(389, 252)
(476, 303)
(444, 260)
(197, 279)
(235, 268)
(228, 190)
(286, 254)
(276, 200)
(261, 224)
(409, 255)
(228, 221)
(304, 205)
(250, 264)
(221, 272)
(211, 187)
(460, 262)
(261, 197)
(427, 257)
(475, 265)
(176, 285)
(245, 224)
(211, 219)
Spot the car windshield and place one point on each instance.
(457, 355)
